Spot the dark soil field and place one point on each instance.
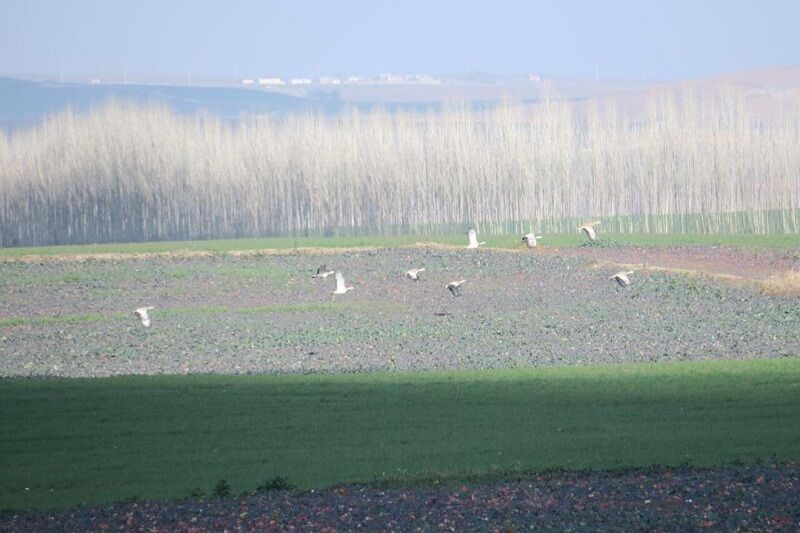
(759, 498)
(265, 314)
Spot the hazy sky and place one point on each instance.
(667, 39)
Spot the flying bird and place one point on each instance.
(141, 313)
(588, 229)
(530, 239)
(322, 272)
(455, 287)
(413, 274)
(473, 239)
(340, 285)
(622, 278)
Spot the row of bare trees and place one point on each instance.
(126, 173)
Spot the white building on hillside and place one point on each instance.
(389, 78)
(271, 81)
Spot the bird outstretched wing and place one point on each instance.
(340, 285)
(473, 237)
(454, 288)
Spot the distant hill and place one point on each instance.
(766, 92)
(27, 102)
(22, 102)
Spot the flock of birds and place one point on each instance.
(530, 240)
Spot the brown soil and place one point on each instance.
(735, 498)
(716, 261)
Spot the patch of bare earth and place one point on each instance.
(775, 270)
(734, 498)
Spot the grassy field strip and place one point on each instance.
(317, 245)
(66, 442)
(315, 307)
(183, 254)
(11, 322)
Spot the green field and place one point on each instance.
(71, 441)
(492, 241)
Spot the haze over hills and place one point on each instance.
(26, 102)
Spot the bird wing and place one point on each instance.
(621, 278)
(339, 281)
(322, 268)
(473, 237)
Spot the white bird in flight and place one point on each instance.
(322, 272)
(530, 240)
(455, 287)
(588, 229)
(340, 285)
(473, 239)
(622, 278)
(141, 313)
(413, 274)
